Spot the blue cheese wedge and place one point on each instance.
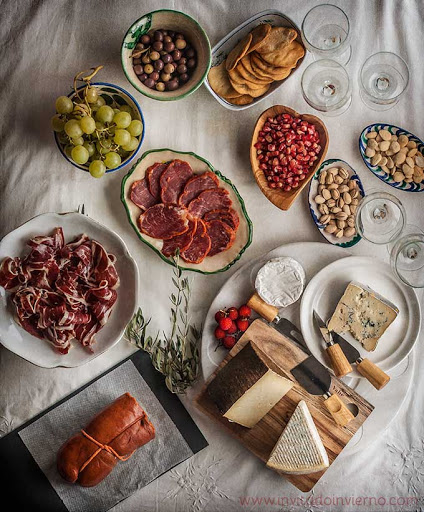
(248, 387)
(299, 450)
(363, 313)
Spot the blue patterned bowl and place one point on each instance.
(378, 171)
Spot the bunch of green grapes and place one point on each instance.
(93, 133)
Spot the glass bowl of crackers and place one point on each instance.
(254, 59)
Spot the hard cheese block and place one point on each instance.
(248, 387)
(364, 313)
(299, 450)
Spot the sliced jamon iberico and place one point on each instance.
(153, 174)
(164, 221)
(173, 180)
(180, 242)
(229, 216)
(196, 185)
(200, 245)
(140, 194)
(221, 235)
(208, 200)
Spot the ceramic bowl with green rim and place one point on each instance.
(176, 21)
(210, 265)
(344, 241)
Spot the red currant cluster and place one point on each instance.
(232, 323)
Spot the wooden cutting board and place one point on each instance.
(261, 439)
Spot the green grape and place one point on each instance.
(135, 128)
(105, 114)
(97, 168)
(73, 128)
(132, 145)
(122, 119)
(58, 124)
(77, 141)
(103, 147)
(100, 102)
(122, 137)
(100, 126)
(126, 108)
(88, 124)
(116, 110)
(64, 105)
(91, 94)
(112, 160)
(90, 147)
(68, 150)
(80, 155)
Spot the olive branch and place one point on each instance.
(176, 355)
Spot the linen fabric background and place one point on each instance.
(43, 44)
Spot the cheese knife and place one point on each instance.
(337, 357)
(310, 373)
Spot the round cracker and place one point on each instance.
(244, 72)
(266, 69)
(236, 78)
(244, 99)
(259, 33)
(245, 89)
(238, 52)
(220, 83)
(277, 39)
(287, 57)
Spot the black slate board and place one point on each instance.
(27, 486)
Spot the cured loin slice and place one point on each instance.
(173, 180)
(200, 245)
(229, 216)
(153, 174)
(164, 221)
(221, 235)
(208, 200)
(196, 185)
(140, 194)
(180, 242)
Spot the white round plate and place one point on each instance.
(40, 352)
(325, 289)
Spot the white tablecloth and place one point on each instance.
(43, 45)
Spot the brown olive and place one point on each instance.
(145, 59)
(159, 65)
(181, 69)
(190, 53)
(165, 77)
(154, 76)
(176, 55)
(158, 35)
(184, 77)
(167, 58)
(145, 39)
(157, 46)
(179, 36)
(183, 60)
(191, 63)
(136, 61)
(169, 68)
(149, 83)
(142, 77)
(180, 44)
(169, 47)
(167, 39)
(138, 69)
(139, 46)
(172, 85)
(160, 86)
(148, 68)
(154, 56)
(171, 33)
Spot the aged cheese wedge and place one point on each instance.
(299, 450)
(248, 386)
(364, 313)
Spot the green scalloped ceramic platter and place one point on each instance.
(210, 265)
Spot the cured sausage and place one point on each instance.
(180, 242)
(196, 185)
(164, 221)
(173, 180)
(200, 245)
(221, 235)
(208, 200)
(140, 194)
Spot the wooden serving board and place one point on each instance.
(261, 439)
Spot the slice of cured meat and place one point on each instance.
(173, 180)
(208, 200)
(196, 185)
(140, 194)
(153, 174)
(200, 245)
(229, 216)
(164, 221)
(221, 235)
(180, 242)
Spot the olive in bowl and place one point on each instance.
(166, 55)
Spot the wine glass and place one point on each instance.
(380, 218)
(326, 87)
(326, 33)
(407, 257)
(383, 79)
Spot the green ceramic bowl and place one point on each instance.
(177, 21)
(218, 263)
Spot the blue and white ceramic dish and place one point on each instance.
(394, 130)
(110, 93)
(221, 50)
(313, 207)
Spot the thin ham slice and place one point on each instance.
(164, 221)
(153, 174)
(196, 185)
(229, 216)
(200, 245)
(140, 195)
(221, 235)
(173, 180)
(208, 200)
(180, 242)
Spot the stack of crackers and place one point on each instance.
(265, 55)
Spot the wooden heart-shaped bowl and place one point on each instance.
(278, 197)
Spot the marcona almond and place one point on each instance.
(371, 135)
(375, 160)
(385, 134)
(403, 140)
(384, 145)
